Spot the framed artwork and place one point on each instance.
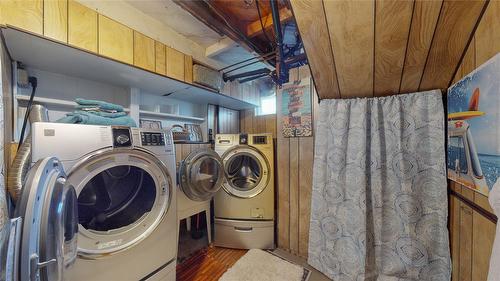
(150, 124)
(474, 128)
(296, 109)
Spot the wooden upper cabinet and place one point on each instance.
(27, 15)
(175, 64)
(188, 69)
(55, 19)
(82, 26)
(116, 40)
(160, 58)
(144, 52)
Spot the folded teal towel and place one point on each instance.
(82, 117)
(103, 113)
(97, 103)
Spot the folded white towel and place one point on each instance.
(494, 198)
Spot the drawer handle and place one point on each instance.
(243, 229)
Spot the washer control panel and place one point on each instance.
(152, 139)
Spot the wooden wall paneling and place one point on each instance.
(455, 236)
(306, 155)
(392, 29)
(453, 32)
(271, 124)
(488, 33)
(186, 149)
(482, 201)
(144, 52)
(465, 263)
(178, 153)
(27, 15)
(82, 27)
(175, 64)
(312, 25)
(423, 24)
(468, 62)
(55, 19)
(294, 195)
(116, 40)
(188, 69)
(350, 24)
(482, 244)
(160, 58)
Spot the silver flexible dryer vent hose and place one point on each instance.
(22, 162)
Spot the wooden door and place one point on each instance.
(116, 40)
(82, 27)
(160, 58)
(175, 64)
(27, 15)
(144, 52)
(55, 19)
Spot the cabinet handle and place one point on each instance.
(243, 229)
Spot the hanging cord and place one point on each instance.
(33, 81)
(262, 25)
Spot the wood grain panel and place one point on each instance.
(484, 234)
(488, 34)
(482, 201)
(144, 52)
(294, 195)
(116, 40)
(455, 236)
(312, 25)
(453, 32)
(160, 58)
(175, 64)
(55, 19)
(27, 15)
(465, 264)
(350, 24)
(306, 148)
(423, 24)
(392, 28)
(468, 62)
(82, 27)
(188, 69)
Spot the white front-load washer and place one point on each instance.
(124, 179)
(244, 207)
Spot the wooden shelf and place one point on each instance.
(45, 54)
(170, 116)
(50, 101)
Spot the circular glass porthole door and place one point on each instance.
(247, 172)
(201, 174)
(123, 195)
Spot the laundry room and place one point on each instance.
(249, 140)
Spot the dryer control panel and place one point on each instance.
(152, 139)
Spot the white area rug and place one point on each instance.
(258, 265)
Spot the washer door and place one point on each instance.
(123, 195)
(247, 171)
(201, 174)
(47, 215)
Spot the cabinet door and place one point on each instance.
(116, 40)
(175, 64)
(144, 51)
(82, 27)
(160, 58)
(484, 235)
(27, 15)
(188, 69)
(55, 19)
(465, 249)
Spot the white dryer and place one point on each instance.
(244, 207)
(200, 176)
(124, 179)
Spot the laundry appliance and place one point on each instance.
(42, 242)
(200, 176)
(125, 184)
(244, 207)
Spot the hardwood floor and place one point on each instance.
(208, 264)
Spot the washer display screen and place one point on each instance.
(115, 198)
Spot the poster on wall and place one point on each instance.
(474, 128)
(296, 109)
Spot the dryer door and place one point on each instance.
(123, 195)
(46, 224)
(201, 174)
(247, 171)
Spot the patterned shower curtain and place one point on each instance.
(379, 201)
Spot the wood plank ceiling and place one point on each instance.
(376, 48)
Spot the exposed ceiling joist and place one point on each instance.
(220, 47)
(255, 28)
